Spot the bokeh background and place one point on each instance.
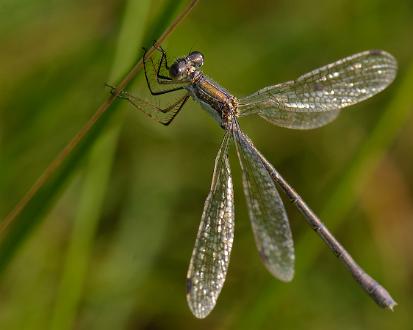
(106, 244)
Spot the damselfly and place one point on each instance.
(311, 101)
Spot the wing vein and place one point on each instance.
(210, 257)
(316, 98)
(266, 211)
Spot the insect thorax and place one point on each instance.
(218, 102)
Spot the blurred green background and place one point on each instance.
(106, 244)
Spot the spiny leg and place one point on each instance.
(161, 92)
(162, 115)
(174, 114)
(122, 93)
(163, 52)
(161, 79)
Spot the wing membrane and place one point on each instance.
(329, 88)
(210, 257)
(266, 211)
(299, 120)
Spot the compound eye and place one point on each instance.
(196, 58)
(177, 70)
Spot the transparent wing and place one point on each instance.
(299, 120)
(266, 211)
(329, 88)
(210, 257)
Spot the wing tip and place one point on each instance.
(383, 53)
(199, 313)
(199, 310)
(284, 276)
(379, 52)
(200, 303)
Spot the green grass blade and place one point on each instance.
(95, 179)
(45, 195)
(31, 215)
(69, 292)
